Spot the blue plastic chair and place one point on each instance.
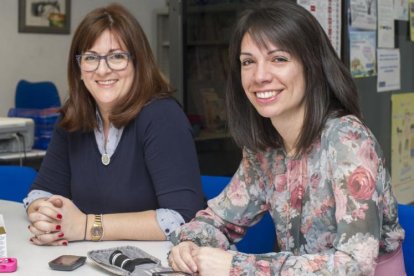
(15, 182)
(259, 238)
(36, 95)
(406, 218)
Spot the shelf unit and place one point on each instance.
(194, 38)
(163, 41)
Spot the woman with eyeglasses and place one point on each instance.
(308, 160)
(121, 164)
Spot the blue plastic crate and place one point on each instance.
(44, 119)
(41, 142)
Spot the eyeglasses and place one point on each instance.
(116, 61)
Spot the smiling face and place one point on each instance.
(273, 81)
(105, 85)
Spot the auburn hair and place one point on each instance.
(79, 110)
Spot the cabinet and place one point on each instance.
(206, 32)
(163, 41)
(198, 36)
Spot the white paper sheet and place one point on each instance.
(389, 70)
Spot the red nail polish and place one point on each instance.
(57, 227)
(61, 235)
(65, 243)
(59, 216)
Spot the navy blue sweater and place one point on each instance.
(154, 166)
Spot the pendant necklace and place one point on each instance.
(105, 158)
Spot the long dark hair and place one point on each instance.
(330, 89)
(78, 112)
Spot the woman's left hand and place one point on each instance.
(212, 261)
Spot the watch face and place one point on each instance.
(96, 231)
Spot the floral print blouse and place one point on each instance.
(333, 209)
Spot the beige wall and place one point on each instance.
(38, 57)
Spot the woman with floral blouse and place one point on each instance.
(308, 159)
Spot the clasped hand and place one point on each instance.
(190, 258)
(55, 221)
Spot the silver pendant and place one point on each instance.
(105, 159)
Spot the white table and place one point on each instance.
(33, 259)
(34, 153)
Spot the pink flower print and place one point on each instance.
(284, 208)
(361, 183)
(359, 213)
(356, 124)
(235, 229)
(281, 182)
(236, 271)
(279, 157)
(367, 155)
(350, 136)
(262, 268)
(237, 194)
(294, 168)
(315, 179)
(296, 171)
(261, 184)
(341, 201)
(296, 197)
(314, 264)
(325, 206)
(262, 160)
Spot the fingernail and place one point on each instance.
(28, 227)
(57, 227)
(61, 235)
(65, 243)
(59, 216)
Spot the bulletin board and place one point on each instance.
(402, 146)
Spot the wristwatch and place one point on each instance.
(97, 228)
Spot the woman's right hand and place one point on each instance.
(45, 218)
(55, 221)
(180, 257)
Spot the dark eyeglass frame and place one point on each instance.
(105, 57)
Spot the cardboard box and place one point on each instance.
(3, 243)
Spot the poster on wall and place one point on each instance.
(328, 13)
(402, 146)
(401, 10)
(362, 53)
(389, 70)
(385, 24)
(363, 14)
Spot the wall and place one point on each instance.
(376, 107)
(38, 57)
